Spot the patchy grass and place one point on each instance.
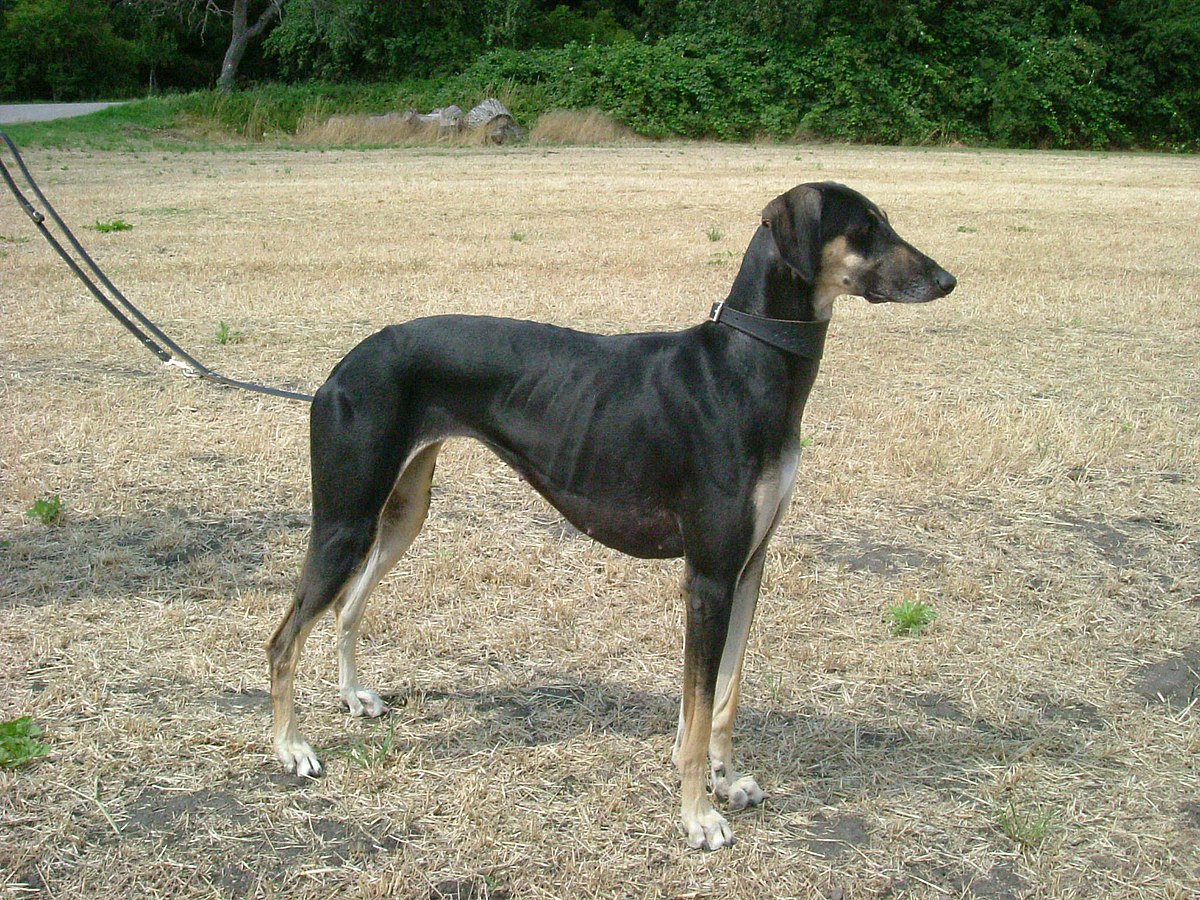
(1024, 453)
(370, 131)
(109, 226)
(373, 753)
(1027, 829)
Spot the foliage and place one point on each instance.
(226, 335)
(911, 617)
(1015, 73)
(61, 50)
(1027, 73)
(360, 39)
(111, 226)
(564, 25)
(46, 510)
(19, 742)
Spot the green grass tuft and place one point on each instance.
(911, 617)
(112, 225)
(1026, 829)
(375, 754)
(226, 335)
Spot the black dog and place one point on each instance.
(659, 445)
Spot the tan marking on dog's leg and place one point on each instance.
(738, 791)
(399, 523)
(361, 701)
(704, 826)
(284, 652)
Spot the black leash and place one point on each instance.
(160, 344)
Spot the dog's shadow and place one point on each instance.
(168, 550)
(829, 754)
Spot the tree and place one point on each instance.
(197, 15)
(61, 50)
(243, 34)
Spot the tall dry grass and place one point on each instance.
(376, 131)
(572, 127)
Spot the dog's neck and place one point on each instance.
(767, 286)
(771, 303)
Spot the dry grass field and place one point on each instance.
(1021, 456)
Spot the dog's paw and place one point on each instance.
(740, 793)
(299, 758)
(363, 702)
(707, 830)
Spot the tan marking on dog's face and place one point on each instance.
(840, 267)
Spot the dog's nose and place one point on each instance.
(945, 281)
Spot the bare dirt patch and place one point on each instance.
(1023, 456)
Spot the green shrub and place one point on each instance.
(62, 50)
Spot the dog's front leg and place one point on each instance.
(737, 790)
(709, 600)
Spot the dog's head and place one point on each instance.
(840, 242)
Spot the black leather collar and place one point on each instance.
(799, 338)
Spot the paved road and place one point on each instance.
(43, 112)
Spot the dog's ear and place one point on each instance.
(795, 222)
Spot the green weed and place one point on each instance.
(775, 687)
(19, 742)
(47, 510)
(715, 234)
(911, 617)
(226, 335)
(112, 225)
(721, 258)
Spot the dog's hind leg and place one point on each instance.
(333, 556)
(399, 523)
(358, 435)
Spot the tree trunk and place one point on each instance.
(233, 59)
(243, 34)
